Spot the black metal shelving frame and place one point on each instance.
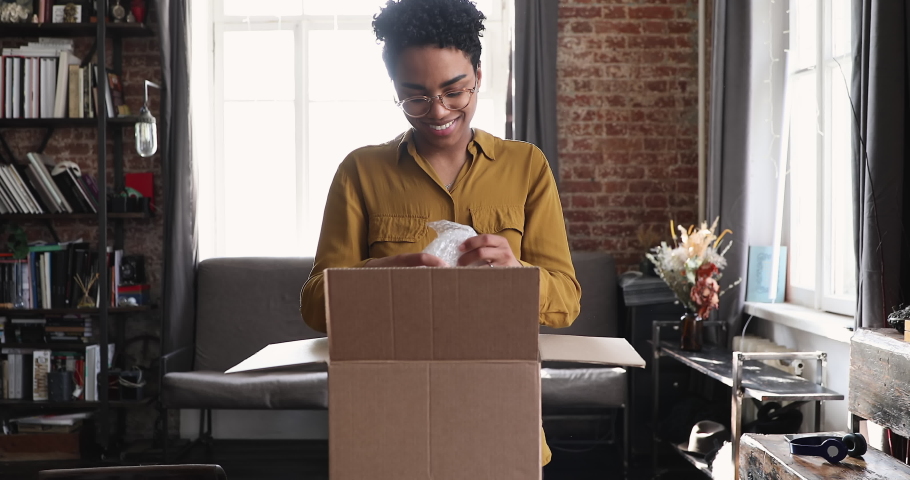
(101, 30)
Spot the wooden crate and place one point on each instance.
(880, 378)
(768, 457)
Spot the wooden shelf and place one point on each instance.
(696, 461)
(73, 405)
(127, 121)
(71, 311)
(69, 216)
(48, 346)
(121, 30)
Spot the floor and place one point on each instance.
(308, 460)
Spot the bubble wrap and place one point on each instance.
(449, 236)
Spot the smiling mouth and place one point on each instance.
(442, 127)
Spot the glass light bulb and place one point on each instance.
(146, 134)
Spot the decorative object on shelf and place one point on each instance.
(647, 239)
(130, 18)
(692, 332)
(86, 286)
(15, 11)
(118, 12)
(68, 13)
(132, 270)
(898, 318)
(146, 126)
(758, 276)
(832, 449)
(691, 268)
(707, 437)
(138, 9)
(60, 386)
(17, 241)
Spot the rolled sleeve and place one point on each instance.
(342, 243)
(546, 246)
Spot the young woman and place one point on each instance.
(383, 196)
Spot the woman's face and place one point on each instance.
(430, 71)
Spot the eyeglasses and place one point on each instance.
(420, 105)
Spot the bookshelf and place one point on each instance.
(125, 121)
(109, 152)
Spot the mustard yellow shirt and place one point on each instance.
(383, 196)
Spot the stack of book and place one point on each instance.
(68, 329)
(51, 329)
(63, 275)
(24, 371)
(65, 423)
(43, 186)
(44, 79)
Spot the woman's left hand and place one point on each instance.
(487, 250)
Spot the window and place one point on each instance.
(296, 85)
(822, 259)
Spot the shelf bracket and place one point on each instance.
(47, 138)
(9, 152)
(50, 228)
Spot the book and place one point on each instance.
(59, 419)
(4, 370)
(92, 369)
(41, 362)
(74, 92)
(43, 165)
(41, 428)
(143, 183)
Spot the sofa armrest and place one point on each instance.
(180, 360)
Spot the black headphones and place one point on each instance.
(832, 449)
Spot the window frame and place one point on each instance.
(821, 296)
(495, 72)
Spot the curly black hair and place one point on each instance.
(418, 23)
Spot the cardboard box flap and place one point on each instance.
(600, 350)
(420, 314)
(285, 355)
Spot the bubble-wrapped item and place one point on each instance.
(449, 235)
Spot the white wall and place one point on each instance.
(259, 424)
(834, 413)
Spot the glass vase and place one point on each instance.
(692, 332)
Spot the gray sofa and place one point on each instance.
(244, 304)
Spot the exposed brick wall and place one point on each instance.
(627, 113)
(141, 60)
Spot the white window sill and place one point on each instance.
(824, 324)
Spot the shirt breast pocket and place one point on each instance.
(396, 229)
(503, 220)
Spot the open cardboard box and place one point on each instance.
(434, 372)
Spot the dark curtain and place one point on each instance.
(880, 96)
(180, 240)
(727, 184)
(534, 71)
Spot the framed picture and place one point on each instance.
(69, 13)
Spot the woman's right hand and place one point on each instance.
(407, 260)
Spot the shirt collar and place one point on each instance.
(482, 141)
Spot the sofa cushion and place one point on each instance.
(581, 388)
(244, 304)
(599, 316)
(246, 391)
